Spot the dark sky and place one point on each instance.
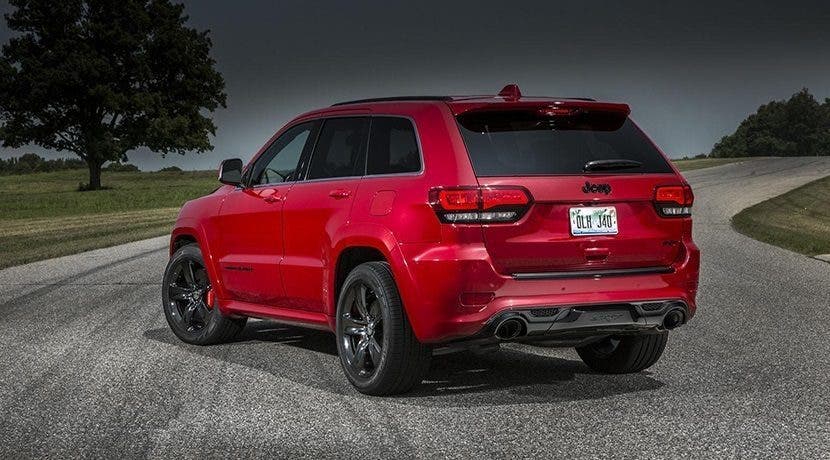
(691, 71)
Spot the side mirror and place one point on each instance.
(230, 171)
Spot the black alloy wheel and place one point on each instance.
(362, 329)
(379, 352)
(189, 303)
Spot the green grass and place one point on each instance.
(700, 163)
(798, 220)
(43, 215)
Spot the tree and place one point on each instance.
(103, 77)
(796, 127)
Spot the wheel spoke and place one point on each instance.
(361, 301)
(178, 293)
(204, 312)
(374, 351)
(374, 311)
(188, 273)
(360, 354)
(349, 299)
(352, 326)
(188, 314)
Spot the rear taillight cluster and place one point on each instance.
(674, 200)
(468, 205)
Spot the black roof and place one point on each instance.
(397, 98)
(433, 98)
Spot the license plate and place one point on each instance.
(594, 221)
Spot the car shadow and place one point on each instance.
(515, 374)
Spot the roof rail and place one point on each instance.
(396, 98)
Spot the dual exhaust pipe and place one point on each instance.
(514, 326)
(674, 318)
(509, 329)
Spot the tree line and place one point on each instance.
(31, 163)
(799, 126)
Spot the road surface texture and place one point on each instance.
(88, 368)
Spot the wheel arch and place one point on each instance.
(187, 232)
(184, 233)
(368, 243)
(182, 239)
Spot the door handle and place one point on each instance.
(273, 198)
(340, 193)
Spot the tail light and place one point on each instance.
(674, 200)
(479, 205)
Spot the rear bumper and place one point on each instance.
(446, 292)
(586, 320)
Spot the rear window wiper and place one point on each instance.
(607, 165)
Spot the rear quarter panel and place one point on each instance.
(394, 210)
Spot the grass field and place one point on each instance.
(798, 220)
(700, 163)
(43, 215)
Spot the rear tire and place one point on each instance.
(185, 298)
(379, 352)
(624, 354)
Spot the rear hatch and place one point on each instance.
(591, 176)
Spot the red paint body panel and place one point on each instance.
(277, 257)
(315, 214)
(247, 255)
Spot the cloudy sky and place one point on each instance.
(691, 71)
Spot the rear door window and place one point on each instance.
(393, 147)
(520, 143)
(340, 149)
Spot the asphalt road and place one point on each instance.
(88, 368)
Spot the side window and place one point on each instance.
(279, 163)
(341, 148)
(393, 147)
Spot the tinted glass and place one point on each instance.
(279, 162)
(522, 144)
(341, 148)
(393, 147)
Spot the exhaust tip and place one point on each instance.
(674, 318)
(509, 329)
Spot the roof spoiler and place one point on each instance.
(560, 108)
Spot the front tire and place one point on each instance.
(379, 352)
(188, 303)
(624, 354)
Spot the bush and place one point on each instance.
(120, 167)
(171, 169)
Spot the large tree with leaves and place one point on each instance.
(103, 77)
(796, 127)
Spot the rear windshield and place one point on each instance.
(520, 143)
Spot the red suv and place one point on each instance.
(411, 224)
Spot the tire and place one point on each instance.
(392, 360)
(185, 298)
(624, 354)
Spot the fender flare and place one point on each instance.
(384, 241)
(191, 228)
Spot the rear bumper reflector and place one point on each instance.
(592, 273)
